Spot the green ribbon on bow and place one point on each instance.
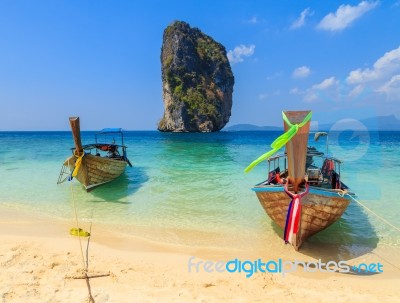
(280, 141)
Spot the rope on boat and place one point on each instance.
(370, 210)
(77, 224)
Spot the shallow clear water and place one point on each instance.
(191, 188)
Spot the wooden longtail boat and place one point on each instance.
(107, 162)
(322, 196)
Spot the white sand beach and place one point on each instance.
(39, 259)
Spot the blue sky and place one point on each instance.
(101, 59)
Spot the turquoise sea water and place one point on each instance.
(191, 189)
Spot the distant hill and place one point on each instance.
(382, 123)
(385, 123)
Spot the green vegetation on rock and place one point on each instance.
(197, 81)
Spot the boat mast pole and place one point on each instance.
(327, 144)
(76, 134)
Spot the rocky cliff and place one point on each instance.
(197, 81)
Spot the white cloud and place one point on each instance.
(295, 91)
(253, 20)
(236, 55)
(301, 20)
(345, 15)
(310, 96)
(301, 72)
(327, 83)
(326, 87)
(382, 78)
(381, 81)
(274, 76)
(263, 96)
(391, 88)
(356, 91)
(383, 68)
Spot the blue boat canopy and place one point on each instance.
(110, 130)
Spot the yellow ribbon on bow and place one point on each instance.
(78, 163)
(280, 141)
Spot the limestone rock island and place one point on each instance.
(197, 81)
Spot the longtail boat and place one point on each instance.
(95, 164)
(306, 194)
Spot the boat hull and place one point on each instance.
(320, 209)
(95, 170)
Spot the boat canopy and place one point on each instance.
(106, 131)
(110, 130)
(313, 154)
